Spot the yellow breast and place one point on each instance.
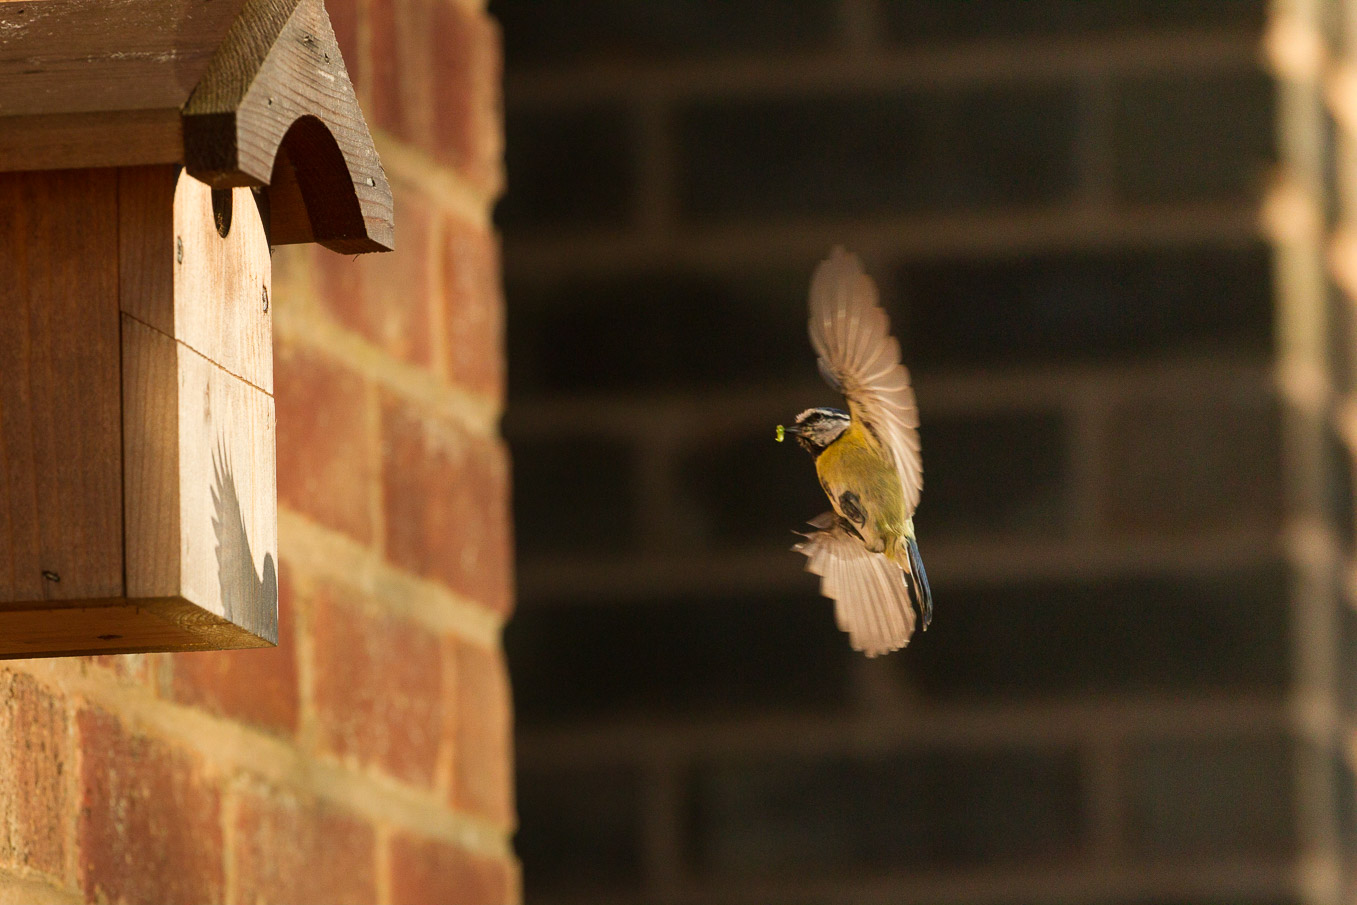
(856, 464)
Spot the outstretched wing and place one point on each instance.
(870, 594)
(859, 357)
(240, 584)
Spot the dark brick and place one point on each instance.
(633, 31)
(570, 167)
(1221, 796)
(1346, 620)
(928, 21)
(659, 330)
(1087, 306)
(748, 490)
(1207, 900)
(1344, 787)
(877, 153)
(1192, 136)
(1341, 339)
(679, 655)
(1170, 635)
(994, 474)
(1179, 463)
(1338, 497)
(934, 808)
(573, 494)
(579, 829)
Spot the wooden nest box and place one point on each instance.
(151, 152)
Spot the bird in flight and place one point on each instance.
(868, 462)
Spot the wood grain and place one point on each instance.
(231, 88)
(198, 423)
(150, 460)
(146, 246)
(226, 451)
(115, 626)
(63, 141)
(60, 453)
(278, 64)
(222, 285)
(85, 56)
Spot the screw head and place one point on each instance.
(179, 249)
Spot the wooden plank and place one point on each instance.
(60, 405)
(80, 56)
(221, 285)
(199, 419)
(228, 510)
(115, 626)
(64, 141)
(279, 67)
(146, 247)
(227, 87)
(151, 459)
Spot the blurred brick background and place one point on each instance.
(1133, 539)
(368, 758)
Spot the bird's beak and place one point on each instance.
(791, 429)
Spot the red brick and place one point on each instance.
(150, 821)
(385, 297)
(33, 768)
(254, 686)
(474, 309)
(402, 48)
(136, 669)
(379, 687)
(427, 871)
(466, 78)
(483, 762)
(325, 468)
(446, 496)
(293, 850)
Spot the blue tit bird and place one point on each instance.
(868, 462)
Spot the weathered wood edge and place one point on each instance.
(192, 627)
(101, 138)
(278, 70)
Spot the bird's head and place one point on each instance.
(817, 428)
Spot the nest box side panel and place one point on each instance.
(60, 408)
(199, 426)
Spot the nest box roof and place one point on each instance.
(241, 92)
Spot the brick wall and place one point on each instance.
(1061, 200)
(367, 758)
